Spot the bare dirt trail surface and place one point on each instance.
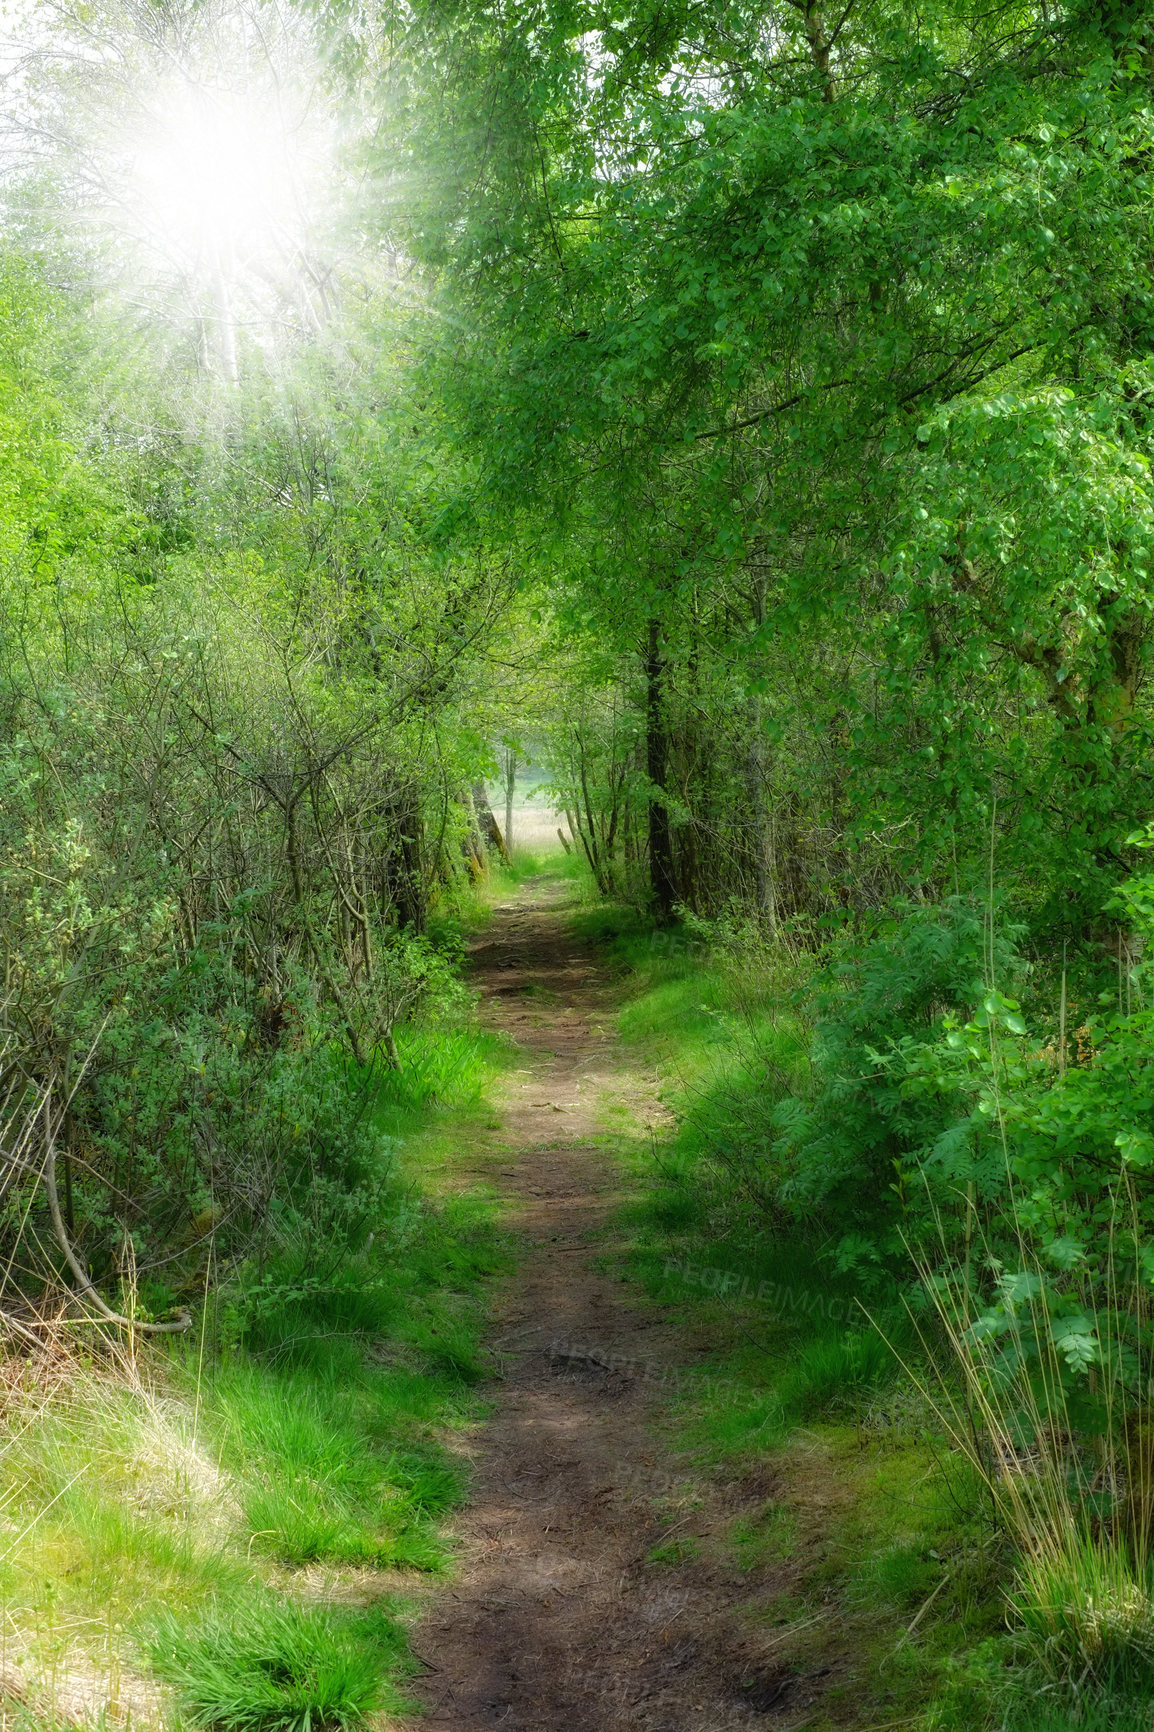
(557, 1615)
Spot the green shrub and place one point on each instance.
(795, 1115)
(839, 1156)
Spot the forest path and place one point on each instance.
(557, 1617)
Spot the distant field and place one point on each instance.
(535, 821)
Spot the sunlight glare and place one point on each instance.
(216, 180)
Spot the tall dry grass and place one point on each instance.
(1065, 1452)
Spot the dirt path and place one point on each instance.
(559, 1617)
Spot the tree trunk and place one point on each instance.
(762, 814)
(487, 823)
(409, 889)
(510, 790)
(661, 879)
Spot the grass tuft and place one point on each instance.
(1088, 1607)
(1090, 1711)
(268, 1667)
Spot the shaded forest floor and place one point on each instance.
(610, 1576)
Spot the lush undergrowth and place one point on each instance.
(230, 1527)
(878, 1551)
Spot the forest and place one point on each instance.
(579, 560)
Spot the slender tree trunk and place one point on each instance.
(599, 860)
(764, 827)
(661, 879)
(510, 789)
(819, 45)
(69, 1144)
(764, 837)
(409, 889)
(472, 843)
(588, 842)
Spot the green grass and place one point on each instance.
(674, 1551)
(770, 1537)
(901, 1576)
(878, 1537)
(982, 1693)
(1090, 1712)
(269, 1666)
(334, 1470)
(1088, 1607)
(444, 1071)
(723, 1030)
(181, 1519)
(865, 1534)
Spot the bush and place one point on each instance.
(845, 1152)
(829, 1145)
